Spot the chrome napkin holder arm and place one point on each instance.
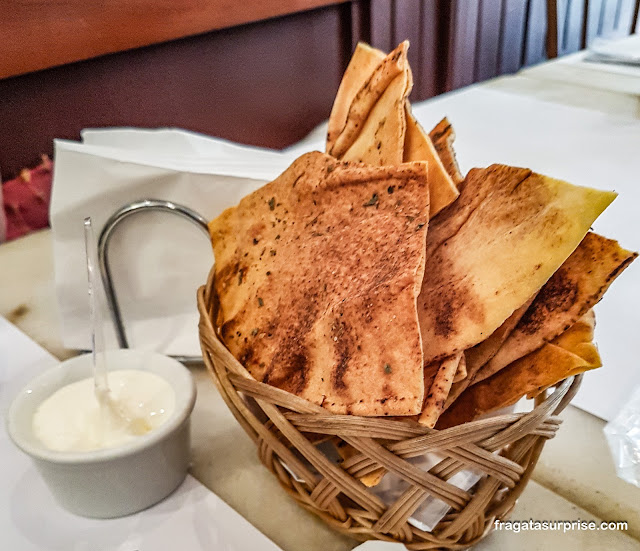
(144, 205)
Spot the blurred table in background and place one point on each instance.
(579, 70)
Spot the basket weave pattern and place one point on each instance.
(285, 428)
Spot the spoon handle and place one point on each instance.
(97, 328)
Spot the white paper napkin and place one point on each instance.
(158, 260)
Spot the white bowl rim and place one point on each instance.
(184, 407)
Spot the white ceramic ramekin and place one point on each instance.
(117, 481)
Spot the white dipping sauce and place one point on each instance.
(76, 418)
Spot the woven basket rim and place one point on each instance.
(505, 448)
(206, 294)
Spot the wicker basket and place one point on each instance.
(286, 430)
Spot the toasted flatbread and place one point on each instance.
(439, 389)
(393, 69)
(529, 375)
(443, 137)
(418, 147)
(366, 123)
(382, 136)
(493, 248)
(573, 289)
(481, 353)
(461, 372)
(578, 340)
(317, 274)
(363, 63)
(582, 331)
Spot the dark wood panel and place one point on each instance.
(432, 59)
(359, 22)
(38, 34)
(514, 22)
(570, 23)
(488, 39)
(392, 21)
(609, 19)
(462, 43)
(406, 26)
(269, 83)
(381, 20)
(578, 22)
(266, 84)
(624, 24)
(593, 26)
(607, 23)
(536, 35)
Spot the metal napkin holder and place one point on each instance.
(144, 205)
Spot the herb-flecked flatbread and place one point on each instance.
(390, 81)
(367, 123)
(382, 133)
(362, 66)
(438, 390)
(317, 275)
(442, 137)
(478, 355)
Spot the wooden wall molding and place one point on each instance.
(38, 34)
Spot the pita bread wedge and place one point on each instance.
(480, 354)
(363, 63)
(439, 389)
(373, 479)
(527, 376)
(381, 140)
(577, 340)
(461, 371)
(418, 147)
(317, 275)
(493, 248)
(579, 333)
(443, 137)
(573, 289)
(390, 82)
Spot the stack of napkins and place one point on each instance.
(158, 260)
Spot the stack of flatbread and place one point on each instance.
(375, 279)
